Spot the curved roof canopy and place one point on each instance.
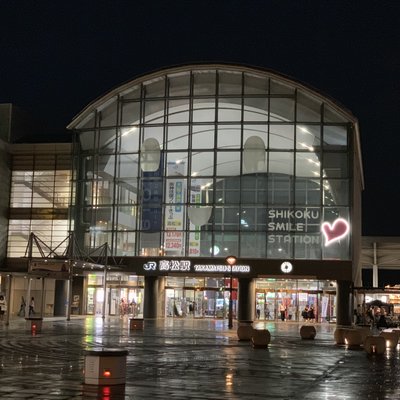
(230, 83)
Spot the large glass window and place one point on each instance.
(193, 161)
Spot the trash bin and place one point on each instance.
(105, 367)
(35, 324)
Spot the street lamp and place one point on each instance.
(231, 260)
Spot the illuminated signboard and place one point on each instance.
(335, 231)
(300, 226)
(188, 266)
(303, 226)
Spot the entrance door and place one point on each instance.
(198, 304)
(175, 305)
(95, 299)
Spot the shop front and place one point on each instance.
(295, 295)
(124, 295)
(205, 297)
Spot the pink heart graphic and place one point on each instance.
(336, 231)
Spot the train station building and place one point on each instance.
(172, 173)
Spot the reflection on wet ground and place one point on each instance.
(190, 359)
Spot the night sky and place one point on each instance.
(56, 57)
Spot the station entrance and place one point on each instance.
(199, 297)
(292, 296)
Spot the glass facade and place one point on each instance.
(39, 198)
(204, 162)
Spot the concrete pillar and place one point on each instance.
(150, 297)
(161, 296)
(375, 276)
(246, 300)
(343, 303)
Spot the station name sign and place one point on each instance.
(189, 266)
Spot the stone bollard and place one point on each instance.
(353, 338)
(391, 338)
(308, 332)
(260, 338)
(375, 345)
(245, 330)
(35, 324)
(136, 323)
(105, 367)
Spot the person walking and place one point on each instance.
(3, 307)
(282, 310)
(21, 312)
(32, 306)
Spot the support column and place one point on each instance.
(43, 300)
(8, 299)
(28, 297)
(246, 299)
(343, 303)
(375, 276)
(150, 297)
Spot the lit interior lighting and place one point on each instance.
(306, 146)
(305, 130)
(313, 162)
(131, 130)
(194, 173)
(316, 173)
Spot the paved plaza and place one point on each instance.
(190, 359)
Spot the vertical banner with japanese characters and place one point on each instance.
(194, 236)
(174, 243)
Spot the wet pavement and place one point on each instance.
(190, 359)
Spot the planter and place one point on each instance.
(353, 338)
(391, 338)
(375, 345)
(339, 335)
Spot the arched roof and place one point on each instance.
(105, 100)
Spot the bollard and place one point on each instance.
(136, 323)
(308, 332)
(35, 324)
(105, 367)
(260, 338)
(245, 330)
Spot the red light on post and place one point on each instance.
(107, 373)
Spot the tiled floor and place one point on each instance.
(190, 359)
